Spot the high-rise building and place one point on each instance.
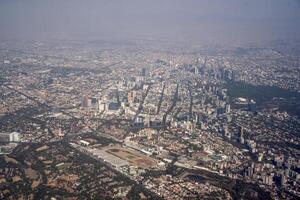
(241, 134)
(227, 108)
(143, 72)
(196, 70)
(249, 171)
(131, 96)
(86, 102)
(197, 118)
(102, 106)
(282, 180)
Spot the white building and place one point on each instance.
(14, 137)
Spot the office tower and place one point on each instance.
(131, 96)
(283, 180)
(86, 102)
(249, 171)
(95, 103)
(143, 72)
(196, 70)
(241, 134)
(102, 106)
(227, 108)
(197, 118)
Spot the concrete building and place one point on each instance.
(10, 137)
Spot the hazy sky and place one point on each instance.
(200, 21)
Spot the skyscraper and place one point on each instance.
(131, 96)
(227, 108)
(143, 72)
(241, 134)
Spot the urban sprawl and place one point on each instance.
(101, 121)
